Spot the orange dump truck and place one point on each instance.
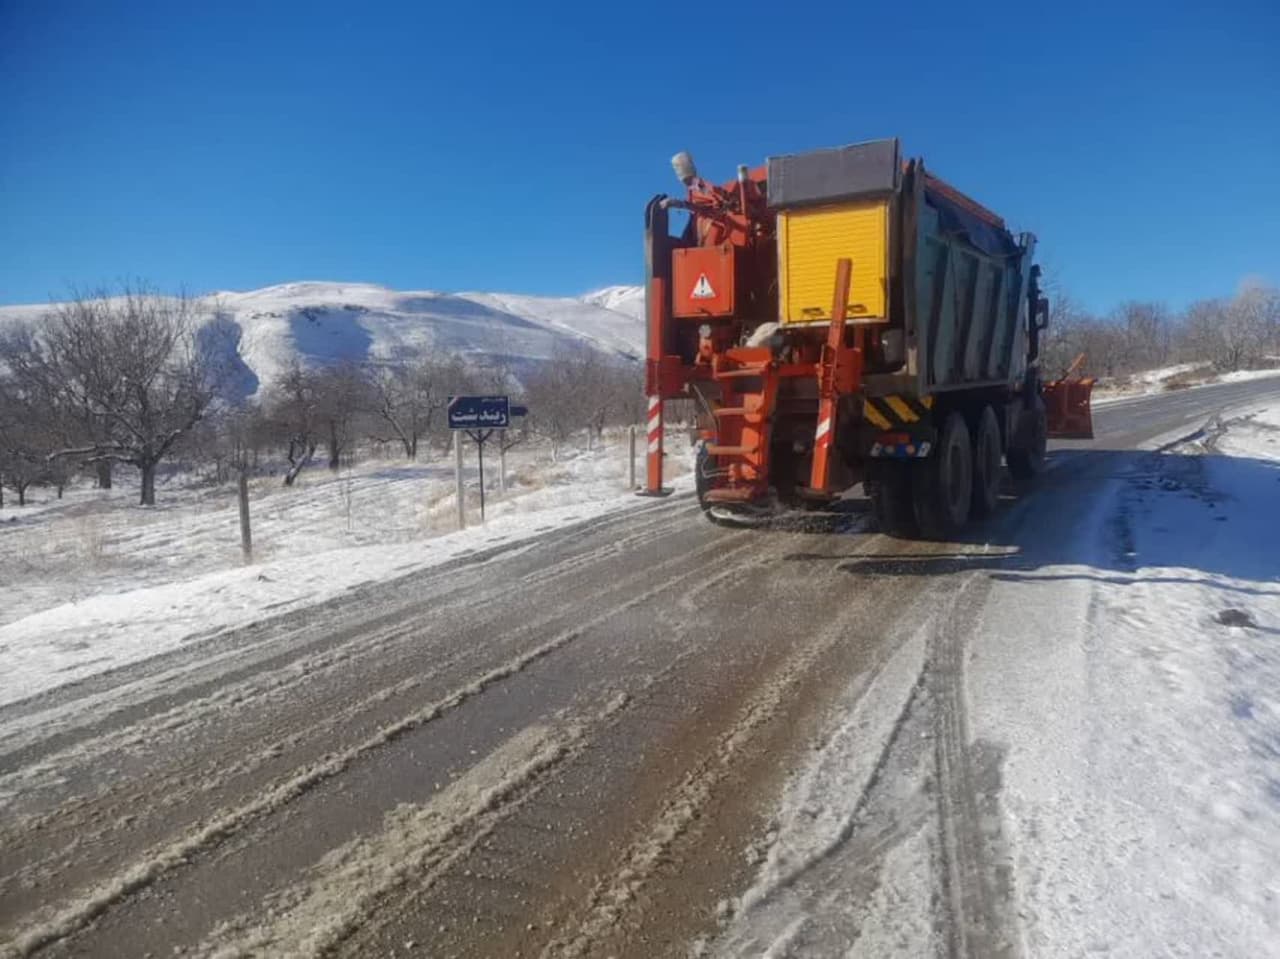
(844, 317)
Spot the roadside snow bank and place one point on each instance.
(1184, 376)
(1141, 789)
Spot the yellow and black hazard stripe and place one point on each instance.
(893, 411)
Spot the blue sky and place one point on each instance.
(459, 146)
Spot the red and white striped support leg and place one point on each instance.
(822, 437)
(653, 460)
(833, 354)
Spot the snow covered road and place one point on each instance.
(643, 735)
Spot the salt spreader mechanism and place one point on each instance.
(843, 316)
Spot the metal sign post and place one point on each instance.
(457, 479)
(479, 437)
(479, 417)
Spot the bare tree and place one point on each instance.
(1143, 335)
(596, 391)
(294, 414)
(121, 375)
(402, 404)
(24, 443)
(1135, 336)
(232, 441)
(21, 467)
(1234, 334)
(581, 388)
(555, 395)
(342, 397)
(626, 400)
(408, 399)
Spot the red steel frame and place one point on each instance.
(736, 214)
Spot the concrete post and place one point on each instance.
(246, 537)
(631, 457)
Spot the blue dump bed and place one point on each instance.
(964, 291)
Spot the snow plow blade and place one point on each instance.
(1067, 404)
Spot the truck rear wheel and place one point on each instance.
(943, 483)
(1027, 449)
(888, 486)
(986, 463)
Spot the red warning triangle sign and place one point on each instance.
(702, 289)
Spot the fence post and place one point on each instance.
(457, 472)
(246, 537)
(631, 457)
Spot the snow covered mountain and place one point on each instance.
(621, 299)
(321, 323)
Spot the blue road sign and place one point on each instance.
(479, 413)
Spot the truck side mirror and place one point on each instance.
(1042, 313)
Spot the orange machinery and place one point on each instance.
(843, 316)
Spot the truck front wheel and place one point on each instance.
(943, 483)
(1027, 448)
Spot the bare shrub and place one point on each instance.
(580, 389)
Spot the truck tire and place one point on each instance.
(888, 486)
(1026, 453)
(942, 486)
(987, 461)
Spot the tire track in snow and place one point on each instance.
(975, 883)
(111, 812)
(360, 646)
(417, 843)
(183, 784)
(51, 769)
(91, 903)
(685, 638)
(863, 796)
(28, 722)
(614, 898)
(180, 786)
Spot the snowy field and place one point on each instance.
(94, 581)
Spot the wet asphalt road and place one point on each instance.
(565, 747)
